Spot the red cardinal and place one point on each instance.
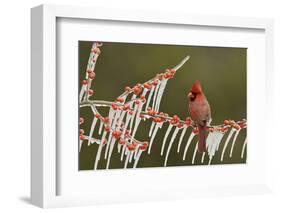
(200, 112)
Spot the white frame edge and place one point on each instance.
(43, 83)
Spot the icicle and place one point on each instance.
(92, 130)
(181, 138)
(155, 95)
(110, 152)
(111, 116)
(131, 156)
(210, 160)
(194, 153)
(116, 116)
(137, 116)
(137, 158)
(243, 149)
(136, 151)
(119, 147)
(128, 153)
(80, 144)
(149, 98)
(133, 116)
(82, 91)
(100, 149)
(128, 117)
(158, 126)
(226, 142)
(121, 118)
(123, 152)
(233, 142)
(170, 144)
(160, 94)
(151, 128)
(203, 157)
(100, 128)
(165, 137)
(213, 141)
(191, 136)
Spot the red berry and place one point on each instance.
(81, 120)
(81, 137)
(136, 90)
(81, 131)
(98, 116)
(114, 106)
(92, 75)
(107, 129)
(90, 92)
(89, 71)
(85, 82)
(131, 147)
(127, 89)
(147, 85)
(188, 121)
(119, 99)
(155, 82)
(195, 131)
(106, 120)
(121, 142)
(116, 134)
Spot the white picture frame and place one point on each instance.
(44, 154)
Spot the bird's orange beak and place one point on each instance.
(190, 95)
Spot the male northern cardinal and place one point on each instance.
(200, 112)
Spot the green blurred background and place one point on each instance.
(221, 71)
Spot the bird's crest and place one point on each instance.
(196, 87)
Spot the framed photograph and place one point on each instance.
(147, 105)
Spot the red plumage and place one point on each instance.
(200, 112)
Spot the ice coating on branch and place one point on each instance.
(233, 142)
(160, 94)
(226, 142)
(165, 138)
(191, 136)
(243, 149)
(149, 98)
(181, 138)
(158, 126)
(99, 150)
(92, 130)
(137, 159)
(170, 144)
(194, 153)
(213, 141)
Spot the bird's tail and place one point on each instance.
(202, 139)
